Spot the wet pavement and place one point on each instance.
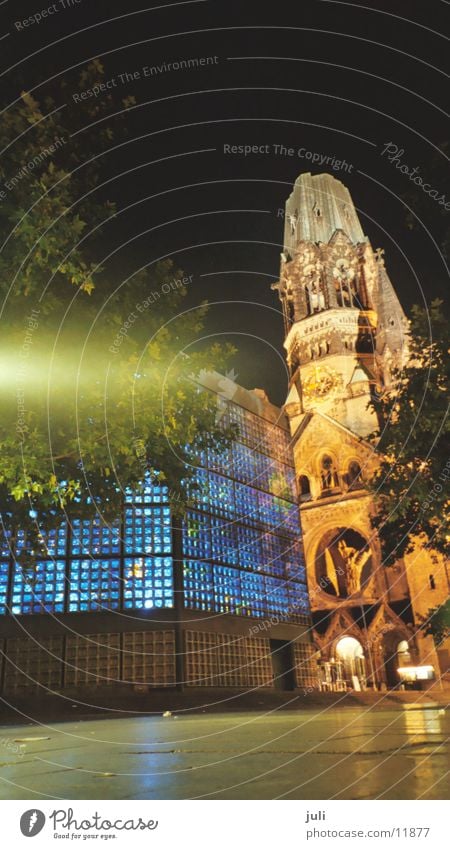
(331, 753)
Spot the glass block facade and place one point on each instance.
(89, 565)
(241, 542)
(241, 539)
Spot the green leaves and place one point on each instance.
(437, 622)
(411, 484)
(97, 389)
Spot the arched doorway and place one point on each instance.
(349, 652)
(343, 562)
(396, 653)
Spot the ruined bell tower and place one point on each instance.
(344, 326)
(345, 331)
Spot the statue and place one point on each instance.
(316, 297)
(354, 562)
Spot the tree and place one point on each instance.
(97, 383)
(411, 483)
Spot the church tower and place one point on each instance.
(344, 325)
(344, 332)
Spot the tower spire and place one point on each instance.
(317, 207)
(344, 326)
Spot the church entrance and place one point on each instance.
(396, 654)
(349, 652)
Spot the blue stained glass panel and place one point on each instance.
(94, 585)
(243, 468)
(221, 495)
(298, 599)
(280, 482)
(147, 530)
(273, 548)
(199, 489)
(55, 541)
(5, 550)
(253, 591)
(219, 461)
(196, 535)
(291, 519)
(4, 572)
(242, 543)
(223, 541)
(156, 495)
(198, 585)
(277, 597)
(295, 563)
(148, 582)
(250, 552)
(39, 591)
(227, 589)
(271, 512)
(246, 502)
(149, 493)
(94, 537)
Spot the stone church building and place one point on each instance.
(344, 332)
(237, 596)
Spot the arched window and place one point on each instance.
(328, 473)
(304, 488)
(314, 289)
(343, 293)
(345, 282)
(354, 476)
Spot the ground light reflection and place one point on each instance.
(347, 753)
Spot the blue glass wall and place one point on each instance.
(89, 565)
(241, 542)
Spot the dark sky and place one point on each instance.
(339, 79)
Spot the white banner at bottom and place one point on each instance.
(225, 823)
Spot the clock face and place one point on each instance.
(318, 383)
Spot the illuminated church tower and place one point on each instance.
(344, 332)
(344, 325)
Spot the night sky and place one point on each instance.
(338, 79)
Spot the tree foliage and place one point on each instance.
(411, 484)
(437, 623)
(96, 372)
